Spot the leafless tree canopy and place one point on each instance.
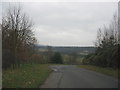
(108, 34)
(107, 46)
(17, 32)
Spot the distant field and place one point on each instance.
(27, 76)
(108, 71)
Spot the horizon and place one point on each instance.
(64, 45)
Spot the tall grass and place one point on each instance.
(26, 76)
(108, 71)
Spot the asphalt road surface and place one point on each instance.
(71, 76)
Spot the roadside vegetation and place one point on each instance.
(18, 38)
(105, 59)
(107, 71)
(26, 76)
(107, 47)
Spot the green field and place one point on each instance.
(26, 76)
(108, 71)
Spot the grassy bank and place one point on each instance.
(108, 71)
(26, 76)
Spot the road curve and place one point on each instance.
(71, 76)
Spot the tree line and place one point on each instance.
(107, 46)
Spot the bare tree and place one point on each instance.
(16, 31)
(99, 38)
(108, 35)
(107, 44)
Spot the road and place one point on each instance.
(71, 76)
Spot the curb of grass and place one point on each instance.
(106, 71)
(26, 76)
(40, 85)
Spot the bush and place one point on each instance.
(56, 58)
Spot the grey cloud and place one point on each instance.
(69, 23)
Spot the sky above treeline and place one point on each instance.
(67, 23)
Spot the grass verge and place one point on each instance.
(26, 76)
(107, 71)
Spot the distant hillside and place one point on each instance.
(74, 49)
(67, 50)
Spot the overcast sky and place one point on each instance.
(68, 23)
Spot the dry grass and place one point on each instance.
(108, 71)
(27, 76)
